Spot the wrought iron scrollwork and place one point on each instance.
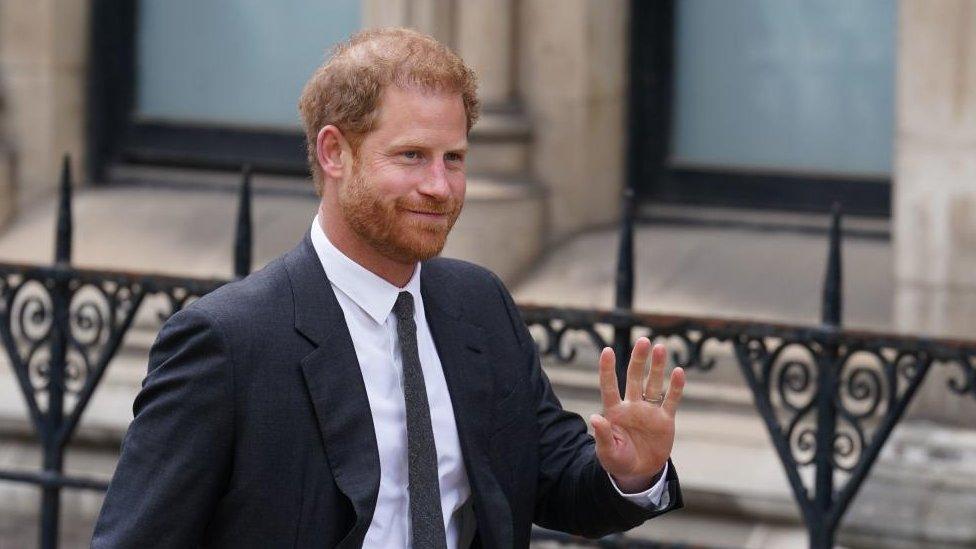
(100, 308)
(100, 312)
(785, 376)
(552, 341)
(177, 298)
(686, 348)
(965, 382)
(28, 328)
(873, 377)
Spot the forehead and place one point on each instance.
(414, 114)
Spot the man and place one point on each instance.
(359, 391)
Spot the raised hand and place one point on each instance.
(634, 436)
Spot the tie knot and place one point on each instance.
(403, 308)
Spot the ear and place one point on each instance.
(333, 152)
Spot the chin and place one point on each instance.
(423, 253)
(422, 247)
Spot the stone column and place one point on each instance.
(43, 58)
(485, 40)
(572, 66)
(934, 196)
(434, 17)
(8, 195)
(479, 30)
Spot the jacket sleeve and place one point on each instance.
(574, 492)
(175, 458)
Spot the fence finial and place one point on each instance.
(62, 244)
(243, 240)
(832, 304)
(624, 286)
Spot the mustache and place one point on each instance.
(430, 206)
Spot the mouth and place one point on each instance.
(428, 215)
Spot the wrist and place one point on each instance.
(634, 484)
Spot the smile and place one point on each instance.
(428, 214)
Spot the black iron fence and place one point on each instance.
(828, 396)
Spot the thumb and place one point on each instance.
(602, 434)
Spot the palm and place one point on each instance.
(634, 436)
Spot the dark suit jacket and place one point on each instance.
(253, 427)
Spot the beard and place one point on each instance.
(387, 225)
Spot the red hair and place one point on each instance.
(345, 91)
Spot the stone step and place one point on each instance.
(20, 502)
(503, 225)
(499, 144)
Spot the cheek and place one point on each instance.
(458, 184)
(391, 188)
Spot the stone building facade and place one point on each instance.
(553, 151)
(548, 153)
(552, 146)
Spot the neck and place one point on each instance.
(353, 247)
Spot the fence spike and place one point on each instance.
(65, 227)
(243, 241)
(832, 304)
(624, 283)
(624, 286)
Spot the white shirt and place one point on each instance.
(367, 304)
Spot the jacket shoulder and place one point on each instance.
(468, 275)
(480, 293)
(469, 283)
(233, 307)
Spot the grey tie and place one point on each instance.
(426, 516)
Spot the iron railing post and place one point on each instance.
(624, 287)
(822, 530)
(832, 305)
(60, 332)
(65, 227)
(243, 240)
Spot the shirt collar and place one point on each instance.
(366, 289)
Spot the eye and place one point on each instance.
(411, 155)
(454, 157)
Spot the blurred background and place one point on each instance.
(736, 124)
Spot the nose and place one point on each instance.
(436, 185)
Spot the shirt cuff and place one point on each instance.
(652, 497)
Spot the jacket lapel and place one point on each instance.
(335, 384)
(463, 354)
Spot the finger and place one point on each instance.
(635, 369)
(608, 379)
(675, 388)
(602, 433)
(659, 360)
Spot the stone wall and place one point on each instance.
(8, 194)
(572, 57)
(43, 58)
(561, 66)
(553, 78)
(934, 197)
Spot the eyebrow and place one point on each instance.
(407, 143)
